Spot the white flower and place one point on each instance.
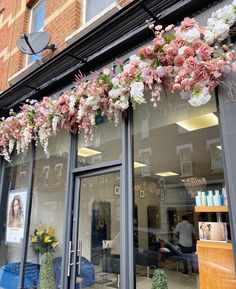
(72, 103)
(220, 30)
(199, 96)
(135, 58)
(115, 82)
(55, 121)
(115, 93)
(209, 37)
(181, 50)
(11, 145)
(191, 34)
(226, 14)
(137, 92)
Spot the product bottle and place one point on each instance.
(198, 199)
(210, 198)
(203, 199)
(225, 196)
(216, 198)
(222, 199)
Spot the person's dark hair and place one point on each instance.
(185, 218)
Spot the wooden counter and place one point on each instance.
(216, 266)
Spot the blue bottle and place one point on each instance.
(222, 199)
(210, 198)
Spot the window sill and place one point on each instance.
(92, 23)
(23, 72)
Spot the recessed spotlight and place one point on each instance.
(199, 122)
(86, 152)
(139, 165)
(167, 174)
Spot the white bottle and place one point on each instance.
(198, 199)
(204, 199)
(216, 198)
(210, 198)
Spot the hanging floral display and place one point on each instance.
(188, 59)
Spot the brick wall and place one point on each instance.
(61, 19)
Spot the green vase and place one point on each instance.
(159, 280)
(46, 274)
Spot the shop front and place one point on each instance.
(106, 208)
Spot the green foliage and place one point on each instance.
(159, 280)
(46, 275)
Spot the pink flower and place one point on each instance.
(64, 109)
(179, 60)
(188, 52)
(229, 56)
(169, 27)
(158, 27)
(233, 65)
(191, 63)
(188, 23)
(176, 87)
(205, 51)
(141, 52)
(185, 84)
(196, 44)
(149, 50)
(169, 50)
(158, 41)
(179, 41)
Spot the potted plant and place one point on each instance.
(159, 280)
(44, 242)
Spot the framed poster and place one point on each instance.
(16, 216)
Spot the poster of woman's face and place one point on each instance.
(16, 216)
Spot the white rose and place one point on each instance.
(220, 30)
(209, 37)
(226, 14)
(191, 34)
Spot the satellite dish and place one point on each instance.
(34, 43)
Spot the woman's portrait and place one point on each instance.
(16, 213)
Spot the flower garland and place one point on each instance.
(182, 58)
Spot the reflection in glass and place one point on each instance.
(183, 144)
(12, 219)
(48, 201)
(99, 230)
(105, 145)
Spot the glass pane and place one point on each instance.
(99, 230)
(12, 219)
(38, 16)
(105, 145)
(179, 156)
(94, 7)
(47, 214)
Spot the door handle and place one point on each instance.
(70, 252)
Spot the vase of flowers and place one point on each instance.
(44, 242)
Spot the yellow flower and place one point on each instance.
(47, 239)
(51, 232)
(34, 240)
(39, 233)
(55, 244)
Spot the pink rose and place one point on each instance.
(188, 23)
(205, 51)
(64, 109)
(158, 27)
(149, 50)
(196, 44)
(185, 84)
(188, 52)
(176, 87)
(169, 27)
(179, 60)
(229, 56)
(179, 41)
(191, 63)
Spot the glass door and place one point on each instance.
(94, 252)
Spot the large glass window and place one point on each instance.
(12, 219)
(37, 17)
(104, 146)
(177, 154)
(47, 213)
(93, 7)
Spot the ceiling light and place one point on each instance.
(167, 174)
(86, 152)
(139, 165)
(219, 147)
(202, 121)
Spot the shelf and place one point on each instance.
(211, 209)
(214, 245)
